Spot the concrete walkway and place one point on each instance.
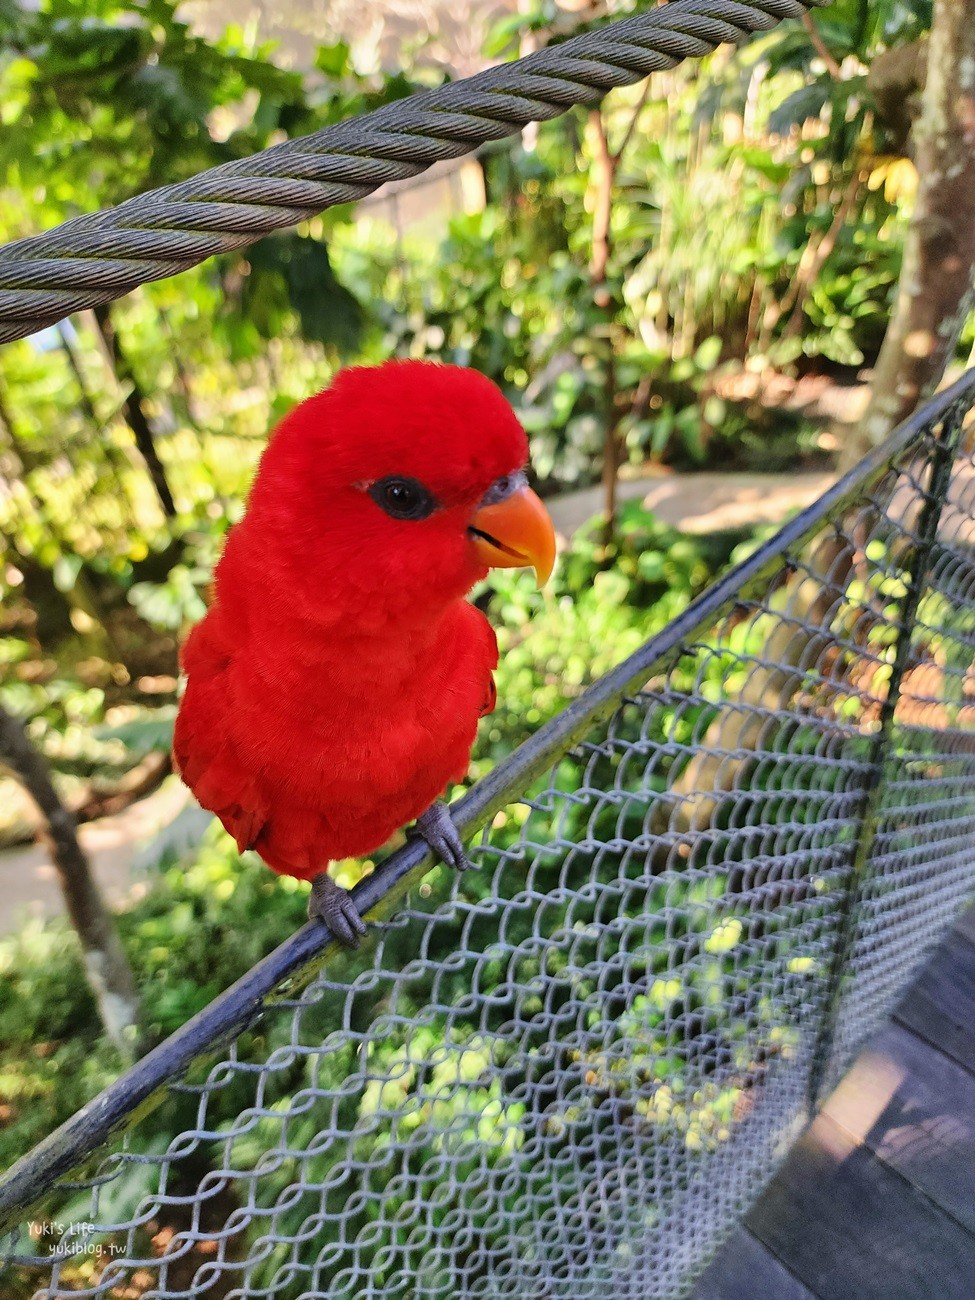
(700, 503)
(118, 847)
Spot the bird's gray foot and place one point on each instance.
(437, 828)
(332, 904)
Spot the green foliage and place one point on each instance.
(200, 927)
(730, 184)
(49, 1026)
(118, 95)
(145, 734)
(861, 27)
(292, 273)
(174, 603)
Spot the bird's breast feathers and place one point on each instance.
(366, 743)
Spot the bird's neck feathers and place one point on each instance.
(270, 592)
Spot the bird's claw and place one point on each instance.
(437, 828)
(332, 904)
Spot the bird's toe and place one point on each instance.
(436, 826)
(460, 860)
(334, 905)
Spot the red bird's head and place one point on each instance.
(395, 489)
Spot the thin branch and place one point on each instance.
(821, 48)
(815, 255)
(631, 125)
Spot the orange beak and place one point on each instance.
(515, 533)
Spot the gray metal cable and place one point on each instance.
(95, 258)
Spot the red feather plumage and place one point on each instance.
(335, 685)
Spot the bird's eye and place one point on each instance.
(403, 498)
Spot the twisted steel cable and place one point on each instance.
(93, 259)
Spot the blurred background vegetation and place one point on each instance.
(697, 275)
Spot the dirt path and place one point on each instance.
(118, 846)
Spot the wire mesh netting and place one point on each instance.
(579, 1065)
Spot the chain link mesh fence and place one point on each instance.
(576, 1067)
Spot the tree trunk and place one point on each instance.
(935, 293)
(135, 411)
(106, 965)
(74, 365)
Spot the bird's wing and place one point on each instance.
(204, 750)
(487, 655)
(490, 698)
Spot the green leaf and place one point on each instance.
(333, 60)
(144, 735)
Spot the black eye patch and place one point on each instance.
(403, 498)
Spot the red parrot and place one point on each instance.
(334, 686)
